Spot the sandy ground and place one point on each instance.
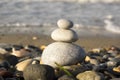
(86, 42)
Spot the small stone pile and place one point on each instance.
(63, 51)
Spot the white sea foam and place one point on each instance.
(87, 17)
(111, 27)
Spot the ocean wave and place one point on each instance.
(112, 27)
(21, 14)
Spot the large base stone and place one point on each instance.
(63, 54)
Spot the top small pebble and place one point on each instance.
(64, 24)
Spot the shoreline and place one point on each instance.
(86, 42)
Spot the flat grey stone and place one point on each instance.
(115, 79)
(64, 35)
(89, 75)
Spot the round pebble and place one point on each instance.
(39, 72)
(64, 24)
(89, 75)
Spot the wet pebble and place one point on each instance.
(102, 64)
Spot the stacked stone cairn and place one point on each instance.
(63, 51)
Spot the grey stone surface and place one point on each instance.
(39, 72)
(66, 77)
(64, 35)
(115, 79)
(64, 24)
(89, 75)
(63, 54)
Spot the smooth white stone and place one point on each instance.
(63, 54)
(64, 35)
(65, 24)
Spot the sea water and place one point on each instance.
(36, 16)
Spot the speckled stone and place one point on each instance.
(63, 54)
(64, 24)
(66, 77)
(115, 79)
(111, 63)
(89, 75)
(39, 72)
(64, 35)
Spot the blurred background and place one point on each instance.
(97, 22)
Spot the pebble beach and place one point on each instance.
(99, 57)
(61, 46)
